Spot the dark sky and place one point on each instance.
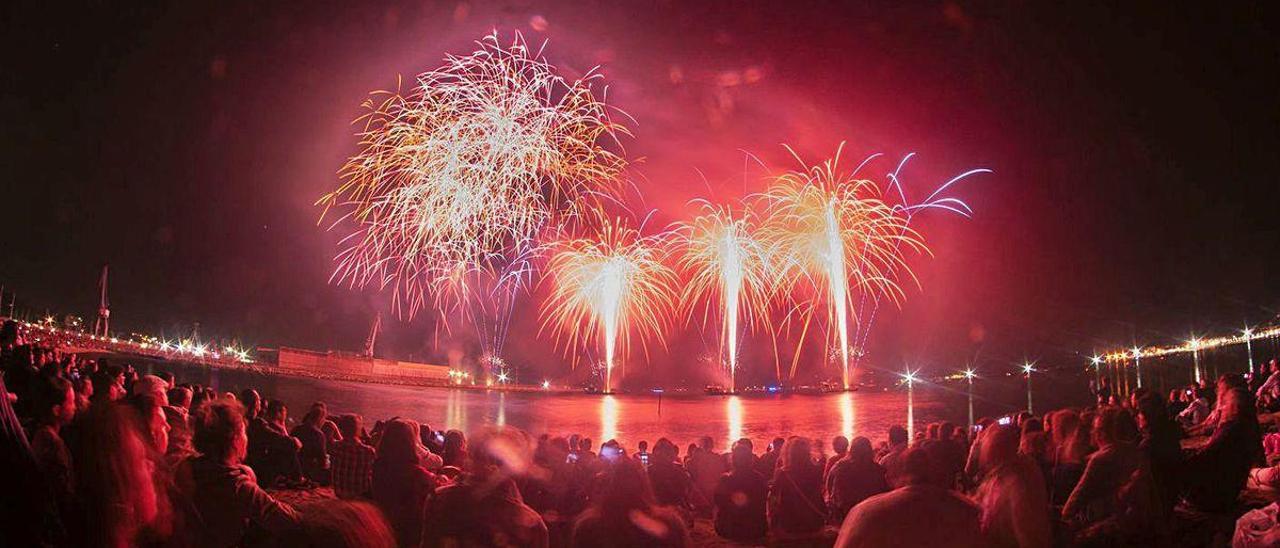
(1135, 150)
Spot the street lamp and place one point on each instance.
(1195, 357)
(969, 374)
(1028, 369)
(1137, 364)
(1097, 369)
(1248, 344)
(910, 378)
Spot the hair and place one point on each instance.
(215, 427)
(897, 434)
(50, 392)
(665, 451)
(276, 406)
(840, 445)
(115, 481)
(922, 465)
(626, 489)
(348, 425)
(180, 396)
(150, 385)
(341, 524)
(455, 448)
(399, 444)
(796, 454)
(1113, 425)
(506, 451)
(741, 458)
(999, 446)
(860, 450)
(316, 415)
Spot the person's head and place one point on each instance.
(168, 379)
(776, 444)
(108, 384)
(1175, 395)
(751, 447)
(252, 402)
(1031, 425)
(1275, 366)
(277, 411)
(707, 444)
(946, 431)
(500, 453)
(1112, 425)
(999, 447)
(931, 432)
(218, 431)
(151, 421)
(54, 401)
(796, 454)
(455, 443)
(115, 482)
(691, 450)
(840, 445)
(180, 396)
(741, 458)
(349, 425)
(151, 386)
(643, 446)
(316, 415)
(1066, 423)
(1237, 403)
(897, 435)
(922, 464)
(860, 450)
(399, 444)
(584, 445)
(665, 451)
(625, 491)
(1152, 413)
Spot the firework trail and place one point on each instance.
(613, 285)
(840, 238)
(458, 178)
(724, 263)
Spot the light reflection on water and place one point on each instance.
(628, 418)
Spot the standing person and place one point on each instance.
(352, 461)
(671, 483)
(313, 455)
(55, 406)
(705, 468)
(892, 460)
(624, 514)
(223, 494)
(795, 507)
(485, 508)
(740, 497)
(840, 447)
(401, 485)
(855, 479)
(1012, 495)
(1161, 442)
(923, 512)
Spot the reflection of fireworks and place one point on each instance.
(614, 285)
(455, 180)
(726, 265)
(840, 233)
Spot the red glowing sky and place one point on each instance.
(185, 146)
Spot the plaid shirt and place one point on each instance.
(352, 468)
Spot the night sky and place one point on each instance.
(1135, 153)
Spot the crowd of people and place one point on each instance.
(97, 454)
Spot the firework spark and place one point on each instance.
(615, 286)
(457, 179)
(725, 264)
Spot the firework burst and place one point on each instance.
(612, 287)
(726, 271)
(840, 238)
(457, 178)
